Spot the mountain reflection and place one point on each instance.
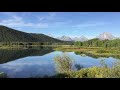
(13, 54)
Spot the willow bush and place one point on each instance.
(63, 63)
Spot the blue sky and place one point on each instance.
(89, 24)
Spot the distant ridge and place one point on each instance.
(67, 38)
(11, 35)
(82, 38)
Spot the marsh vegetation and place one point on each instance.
(93, 72)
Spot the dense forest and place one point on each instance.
(98, 43)
(10, 36)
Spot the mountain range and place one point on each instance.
(103, 36)
(11, 35)
(67, 38)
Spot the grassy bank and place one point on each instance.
(92, 51)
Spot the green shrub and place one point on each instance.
(64, 68)
(3, 75)
(115, 71)
(95, 72)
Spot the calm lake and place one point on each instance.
(36, 62)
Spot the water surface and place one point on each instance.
(39, 62)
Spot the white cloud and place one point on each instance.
(13, 20)
(17, 21)
(48, 21)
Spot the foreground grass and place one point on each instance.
(93, 72)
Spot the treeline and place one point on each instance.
(31, 43)
(22, 43)
(98, 43)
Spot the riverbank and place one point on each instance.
(92, 51)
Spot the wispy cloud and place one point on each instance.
(92, 24)
(45, 21)
(18, 21)
(50, 16)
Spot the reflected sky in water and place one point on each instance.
(33, 66)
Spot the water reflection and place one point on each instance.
(13, 54)
(97, 56)
(38, 61)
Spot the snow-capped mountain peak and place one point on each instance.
(106, 35)
(66, 38)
